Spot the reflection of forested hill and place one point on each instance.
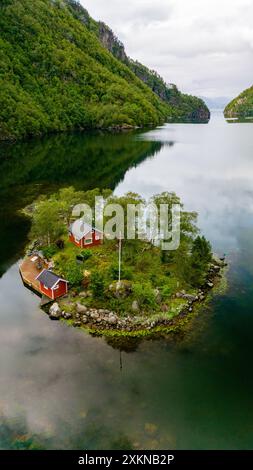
(78, 159)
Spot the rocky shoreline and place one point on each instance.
(105, 321)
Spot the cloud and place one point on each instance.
(204, 46)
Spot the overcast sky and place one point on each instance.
(204, 46)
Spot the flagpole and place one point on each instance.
(120, 256)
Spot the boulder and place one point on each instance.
(135, 306)
(120, 289)
(84, 319)
(189, 297)
(77, 324)
(80, 308)
(55, 311)
(210, 284)
(83, 294)
(68, 315)
(112, 320)
(164, 308)
(94, 315)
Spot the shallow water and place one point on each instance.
(61, 388)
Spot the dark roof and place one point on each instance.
(48, 278)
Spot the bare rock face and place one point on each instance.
(55, 311)
(111, 42)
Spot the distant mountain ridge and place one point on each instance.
(219, 102)
(60, 70)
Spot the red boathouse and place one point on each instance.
(52, 285)
(84, 235)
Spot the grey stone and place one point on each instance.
(55, 311)
(135, 306)
(68, 315)
(80, 308)
(94, 315)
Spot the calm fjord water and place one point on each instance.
(63, 388)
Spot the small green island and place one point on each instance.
(157, 291)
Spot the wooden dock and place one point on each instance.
(29, 269)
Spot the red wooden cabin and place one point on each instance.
(84, 235)
(52, 285)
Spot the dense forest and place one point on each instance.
(185, 106)
(56, 75)
(241, 106)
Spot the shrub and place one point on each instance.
(86, 254)
(126, 272)
(144, 294)
(166, 292)
(97, 284)
(49, 251)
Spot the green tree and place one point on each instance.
(144, 294)
(73, 273)
(46, 223)
(201, 256)
(97, 284)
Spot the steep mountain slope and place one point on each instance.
(56, 75)
(242, 106)
(186, 106)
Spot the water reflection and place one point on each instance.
(60, 388)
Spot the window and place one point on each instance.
(88, 241)
(97, 237)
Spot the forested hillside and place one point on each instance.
(56, 75)
(241, 106)
(184, 106)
